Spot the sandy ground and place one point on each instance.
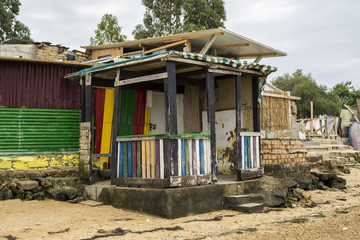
(337, 216)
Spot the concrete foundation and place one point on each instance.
(173, 202)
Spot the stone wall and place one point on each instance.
(62, 184)
(282, 151)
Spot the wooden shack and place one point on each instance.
(157, 98)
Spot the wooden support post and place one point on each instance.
(311, 117)
(115, 126)
(88, 98)
(171, 146)
(83, 99)
(256, 110)
(327, 127)
(188, 46)
(210, 93)
(238, 121)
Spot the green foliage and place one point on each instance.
(164, 17)
(108, 31)
(346, 93)
(304, 86)
(10, 27)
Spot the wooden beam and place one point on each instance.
(352, 112)
(115, 127)
(83, 94)
(256, 111)
(165, 46)
(255, 55)
(170, 145)
(215, 70)
(141, 79)
(280, 96)
(258, 59)
(188, 45)
(225, 46)
(311, 117)
(132, 53)
(88, 98)
(206, 64)
(210, 93)
(208, 44)
(121, 51)
(238, 122)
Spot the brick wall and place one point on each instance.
(282, 151)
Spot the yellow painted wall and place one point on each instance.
(107, 124)
(39, 162)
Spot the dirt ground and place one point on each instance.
(337, 216)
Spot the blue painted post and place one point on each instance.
(182, 158)
(201, 150)
(121, 160)
(129, 160)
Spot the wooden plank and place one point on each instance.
(225, 46)
(146, 78)
(171, 116)
(107, 124)
(138, 157)
(179, 158)
(227, 72)
(352, 112)
(250, 134)
(254, 152)
(143, 159)
(208, 64)
(133, 159)
(242, 152)
(256, 111)
(152, 156)
(125, 160)
(189, 142)
(183, 166)
(246, 153)
(186, 156)
(197, 152)
(327, 127)
(280, 96)
(249, 152)
(147, 147)
(209, 153)
(115, 129)
(157, 158)
(99, 100)
(166, 46)
(129, 165)
(201, 151)
(311, 117)
(208, 44)
(83, 99)
(132, 53)
(120, 160)
(210, 93)
(188, 46)
(194, 158)
(238, 122)
(161, 151)
(126, 139)
(258, 151)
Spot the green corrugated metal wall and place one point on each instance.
(25, 131)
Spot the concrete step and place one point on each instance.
(325, 141)
(249, 207)
(242, 199)
(316, 148)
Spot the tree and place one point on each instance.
(10, 27)
(346, 93)
(304, 86)
(164, 17)
(108, 31)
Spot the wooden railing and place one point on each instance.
(250, 149)
(328, 128)
(143, 156)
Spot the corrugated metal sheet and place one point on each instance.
(38, 85)
(26, 131)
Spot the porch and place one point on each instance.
(173, 158)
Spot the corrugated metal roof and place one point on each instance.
(198, 40)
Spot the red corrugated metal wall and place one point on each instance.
(38, 85)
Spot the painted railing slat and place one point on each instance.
(143, 159)
(161, 158)
(138, 159)
(152, 155)
(147, 146)
(179, 158)
(189, 143)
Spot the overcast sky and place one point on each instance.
(321, 37)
